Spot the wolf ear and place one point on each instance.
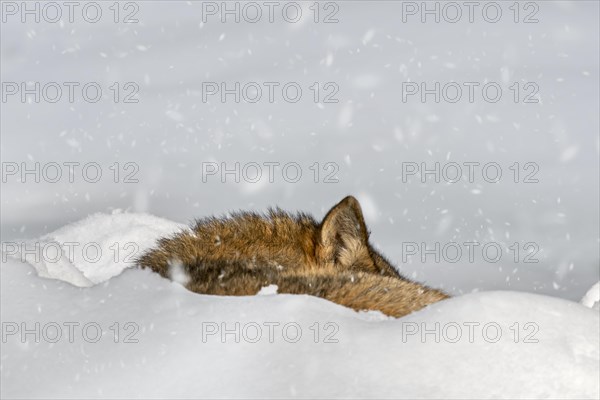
(344, 236)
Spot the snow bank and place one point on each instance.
(138, 335)
(96, 248)
(592, 297)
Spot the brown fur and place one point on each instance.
(240, 254)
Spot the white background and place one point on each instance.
(369, 133)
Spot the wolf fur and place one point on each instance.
(240, 254)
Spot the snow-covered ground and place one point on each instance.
(138, 335)
(156, 155)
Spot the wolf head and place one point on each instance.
(288, 242)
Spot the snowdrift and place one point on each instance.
(129, 333)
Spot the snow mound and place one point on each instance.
(96, 248)
(139, 335)
(592, 297)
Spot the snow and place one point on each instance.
(96, 248)
(267, 290)
(159, 340)
(592, 297)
